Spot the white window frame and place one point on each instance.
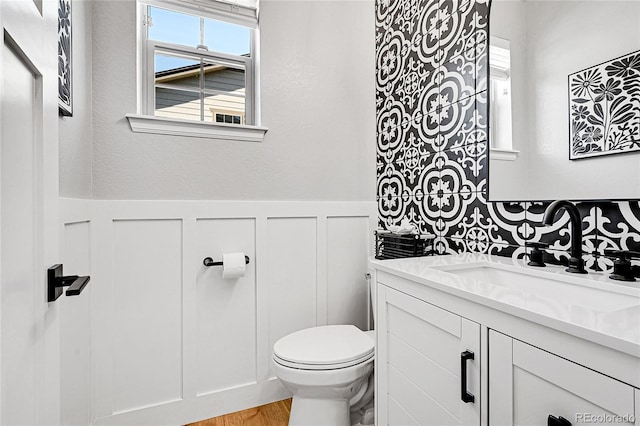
(146, 122)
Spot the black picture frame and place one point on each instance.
(65, 62)
(604, 108)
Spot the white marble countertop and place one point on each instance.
(591, 306)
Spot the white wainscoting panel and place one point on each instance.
(226, 347)
(147, 313)
(76, 248)
(75, 327)
(347, 253)
(291, 276)
(171, 341)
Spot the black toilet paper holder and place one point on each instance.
(209, 261)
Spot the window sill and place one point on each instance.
(503, 154)
(194, 129)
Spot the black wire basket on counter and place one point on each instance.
(390, 245)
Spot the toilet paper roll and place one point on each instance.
(233, 265)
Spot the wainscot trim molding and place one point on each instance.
(307, 268)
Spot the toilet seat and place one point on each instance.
(334, 366)
(324, 348)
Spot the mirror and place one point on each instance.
(541, 53)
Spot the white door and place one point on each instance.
(427, 363)
(29, 335)
(528, 385)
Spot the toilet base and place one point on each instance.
(364, 416)
(319, 412)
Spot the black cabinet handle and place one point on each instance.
(464, 394)
(557, 421)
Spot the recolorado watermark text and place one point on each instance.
(604, 418)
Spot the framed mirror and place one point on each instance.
(564, 100)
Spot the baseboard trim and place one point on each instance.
(203, 407)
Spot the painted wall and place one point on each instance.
(75, 133)
(317, 101)
(555, 41)
(431, 71)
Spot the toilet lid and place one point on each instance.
(329, 346)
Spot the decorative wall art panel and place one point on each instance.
(604, 103)
(65, 87)
(431, 98)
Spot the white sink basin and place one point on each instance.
(592, 305)
(569, 290)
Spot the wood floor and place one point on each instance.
(274, 414)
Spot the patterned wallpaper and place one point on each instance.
(431, 78)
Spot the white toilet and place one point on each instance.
(328, 371)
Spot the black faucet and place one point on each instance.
(576, 264)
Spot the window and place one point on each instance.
(197, 64)
(229, 117)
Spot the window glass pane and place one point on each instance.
(177, 70)
(223, 78)
(174, 103)
(174, 27)
(219, 110)
(228, 83)
(227, 38)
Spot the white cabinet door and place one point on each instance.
(527, 385)
(421, 372)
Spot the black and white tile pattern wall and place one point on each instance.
(431, 73)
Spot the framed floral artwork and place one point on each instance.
(604, 108)
(65, 86)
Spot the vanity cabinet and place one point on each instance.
(428, 362)
(527, 385)
(522, 371)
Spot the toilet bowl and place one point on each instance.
(327, 369)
